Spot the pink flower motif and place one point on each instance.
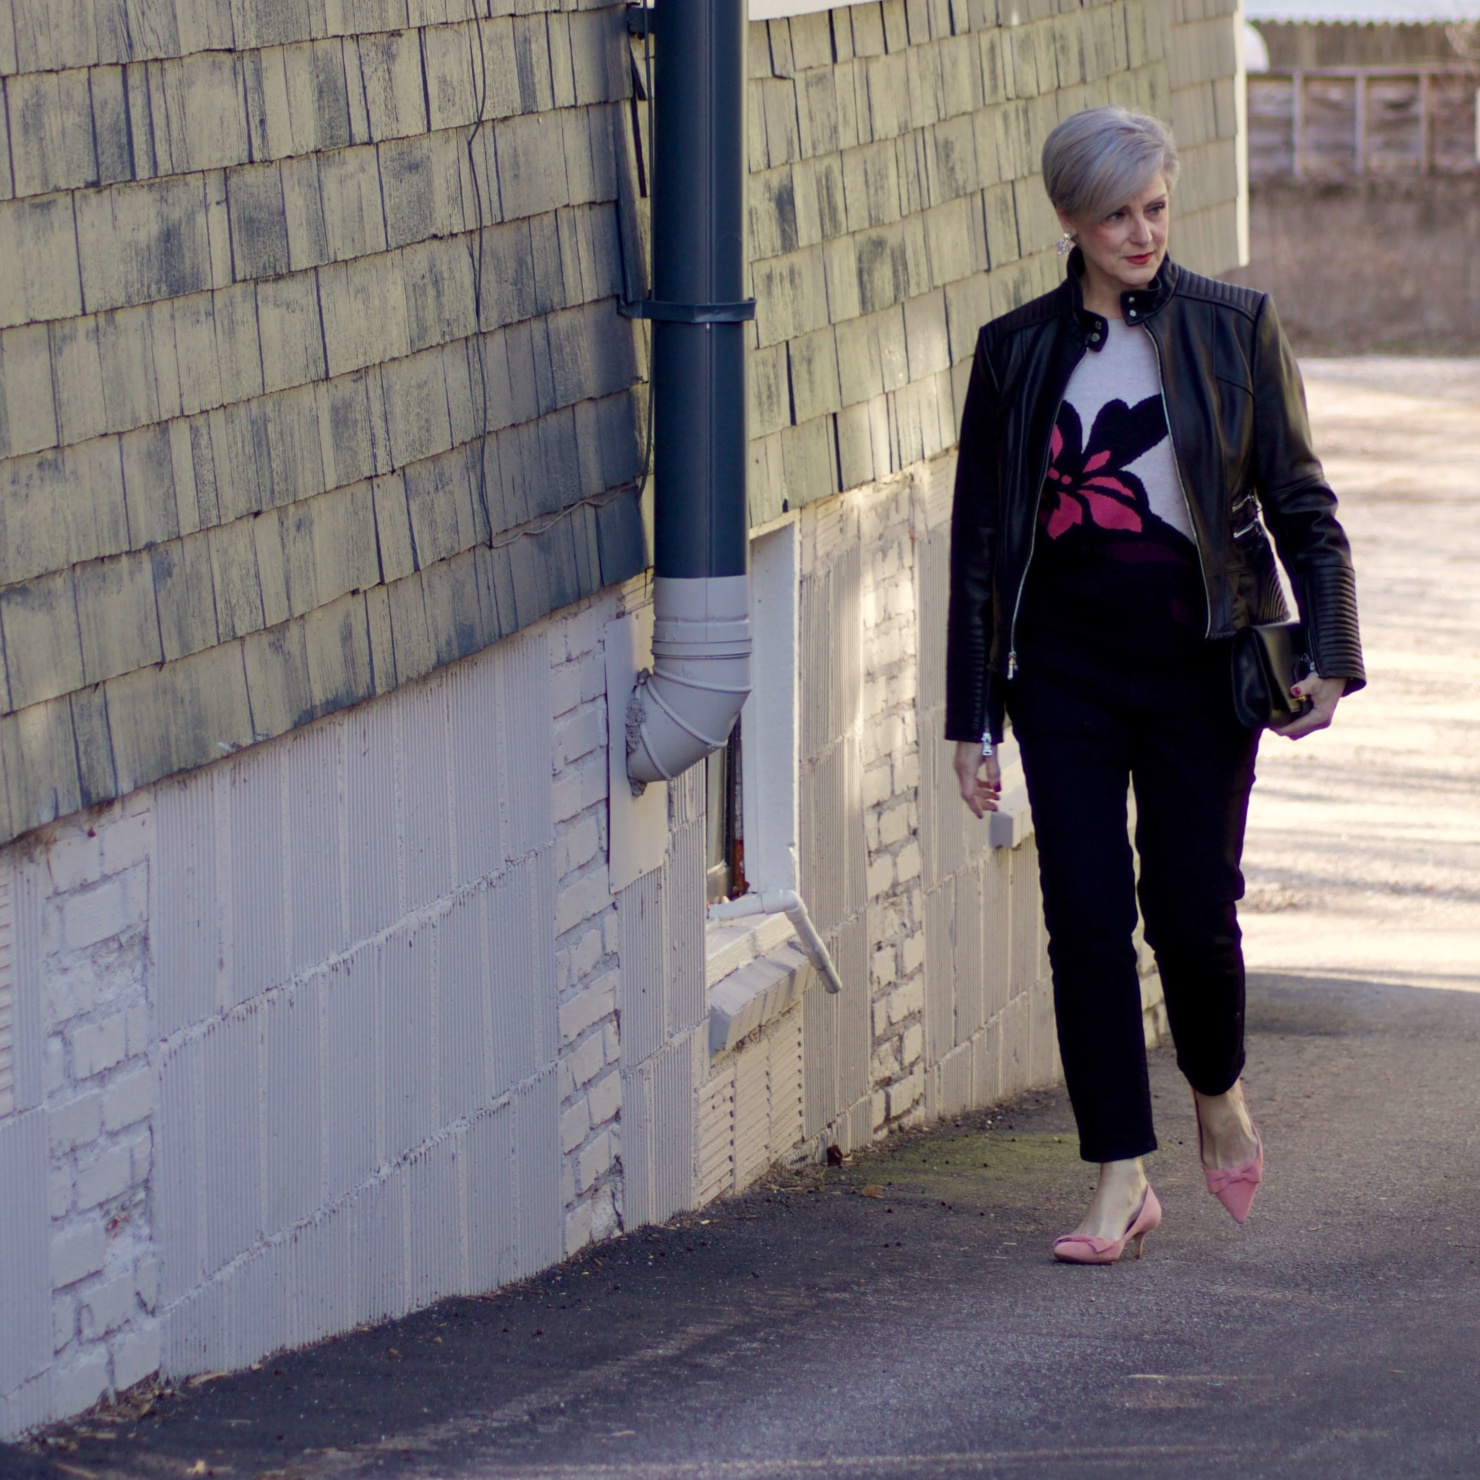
(1088, 485)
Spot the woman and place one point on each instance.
(1126, 442)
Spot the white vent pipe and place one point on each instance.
(789, 903)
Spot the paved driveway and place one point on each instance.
(815, 1328)
(1364, 849)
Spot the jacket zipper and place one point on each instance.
(1202, 568)
(1017, 605)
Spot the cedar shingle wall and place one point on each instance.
(311, 374)
(263, 289)
(1207, 112)
(896, 203)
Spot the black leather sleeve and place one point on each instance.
(973, 556)
(1299, 507)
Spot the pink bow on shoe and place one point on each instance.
(1235, 1187)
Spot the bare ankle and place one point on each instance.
(1121, 1187)
(1225, 1128)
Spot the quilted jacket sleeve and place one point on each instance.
(969, 698)
(1300, 509)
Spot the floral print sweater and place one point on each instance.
(1114, 594)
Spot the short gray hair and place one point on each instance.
(1098, 159)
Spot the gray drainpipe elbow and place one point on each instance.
(687, 704)
(789, 903)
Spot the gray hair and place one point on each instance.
(1098, 159)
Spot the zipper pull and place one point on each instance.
(1012, 665)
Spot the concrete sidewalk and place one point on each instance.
(1363, 858)
(900, 1316)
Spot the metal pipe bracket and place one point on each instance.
(690, 313)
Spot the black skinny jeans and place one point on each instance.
(1192, 767)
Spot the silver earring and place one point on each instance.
(1065, 244)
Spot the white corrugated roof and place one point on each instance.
(1394, 12)
(1391, 12)
(771, 10)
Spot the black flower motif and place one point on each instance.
(1087, 483)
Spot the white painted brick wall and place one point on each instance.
(586, 936)
(96, 973)
(90, 879)
(880, 521)
(891, 805)
(171, 1056)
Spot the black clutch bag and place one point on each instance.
(1266, 661)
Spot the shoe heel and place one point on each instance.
(1084, 1248)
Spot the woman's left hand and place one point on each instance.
(1323, 694)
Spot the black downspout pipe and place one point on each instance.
(687, 705)
(699, 258)
(700, 678)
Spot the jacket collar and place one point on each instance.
(1135, 307)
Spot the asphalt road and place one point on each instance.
(810, 1329)
(814, 1328)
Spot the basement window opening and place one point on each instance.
(752, 782)
(724, 780)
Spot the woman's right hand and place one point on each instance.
(980, 777)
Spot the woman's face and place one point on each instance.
(1125, 250)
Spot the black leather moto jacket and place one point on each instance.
(1236, 411)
